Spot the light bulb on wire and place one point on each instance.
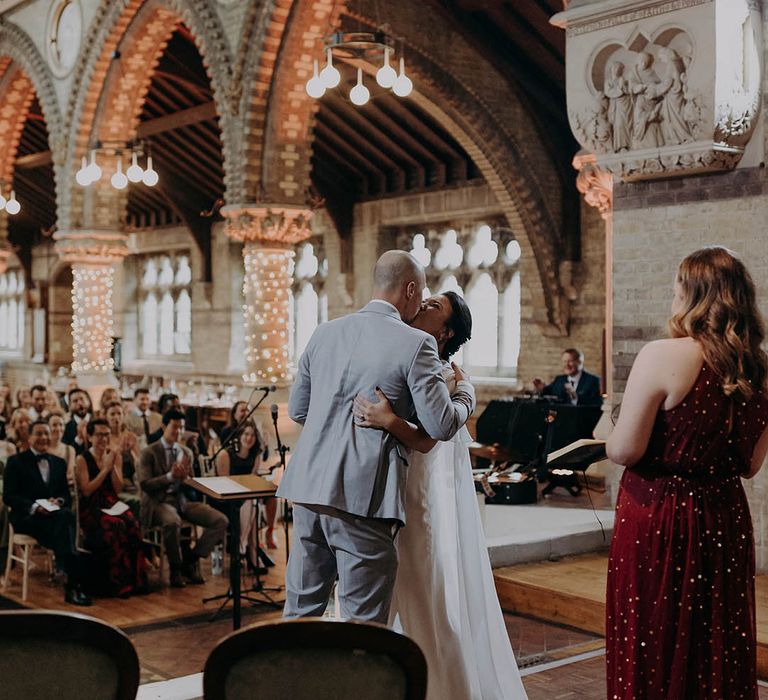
(83, 176)
(3, 201)
(134, 172)
(403, 85)
(150, 177)
(119, 180)
(12, 206)
(386, 75)
(94, 171)
(359, 94)
(329, 76)
(315, 87)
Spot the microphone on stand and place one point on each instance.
(269, 388)
(281, 450)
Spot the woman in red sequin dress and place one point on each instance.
(680, 613)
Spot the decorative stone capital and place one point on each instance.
(658, 88)
(278, 225)
(594, 183)
(91, 247)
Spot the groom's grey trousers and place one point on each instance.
(361, 551)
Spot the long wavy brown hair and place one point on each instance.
(719, 310)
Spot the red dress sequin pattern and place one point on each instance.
(680, 605)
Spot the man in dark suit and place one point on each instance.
(164, 466)
(79, 415)
(576, 386)
(32, 476)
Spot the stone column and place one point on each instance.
(596, 185)
(92, 255)
(269, 234)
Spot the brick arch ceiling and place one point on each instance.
(148, 26)
(27, 83)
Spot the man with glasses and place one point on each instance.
(36, 491)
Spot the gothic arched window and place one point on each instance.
(165, 306)
(12, 310)
(482, 260)
(308, 300)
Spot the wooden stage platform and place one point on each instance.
(572, 592)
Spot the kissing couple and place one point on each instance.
(381, 473)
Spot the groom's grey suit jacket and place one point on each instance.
(361, 470)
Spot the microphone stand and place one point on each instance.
(287, 510)
(234, 512)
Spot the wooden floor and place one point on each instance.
(162, 605)
(572, 592)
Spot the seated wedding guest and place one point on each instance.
(7, 449)
(243, 456)
(33, 477)
(680, 602)
(18, 429)
(164, 466)
(575, 386)
(59, 448)
(124, 442)
(238, 412)
(5, 415)
(113, 538)
(141, 420)
(164, 403)
(39, 408)
(109, 396)
(80, 412)
(23, 397)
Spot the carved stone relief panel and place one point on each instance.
(660, 88)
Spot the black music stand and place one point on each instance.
(255, 487)
(566, 425)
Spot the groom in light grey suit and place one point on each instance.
(348, 482)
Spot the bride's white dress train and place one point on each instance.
(444, 596)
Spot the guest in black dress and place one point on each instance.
(244, 457)
(115, 539)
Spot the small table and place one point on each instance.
(245, 488)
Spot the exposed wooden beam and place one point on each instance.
(358, 141)
(371, 132)
(184, 117)
(33, 160)
(373, 170)
(385, 122)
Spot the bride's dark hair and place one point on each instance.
(460, 323)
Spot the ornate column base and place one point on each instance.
(92, 255)
(268, 233)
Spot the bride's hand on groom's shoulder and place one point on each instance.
(458, 373)
(369, 414)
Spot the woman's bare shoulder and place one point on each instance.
(673, 349)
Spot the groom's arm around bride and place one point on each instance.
(349, 481)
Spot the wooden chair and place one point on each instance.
(65, 655)
(314, 659)
(27, 543)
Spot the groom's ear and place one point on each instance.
(410, 290)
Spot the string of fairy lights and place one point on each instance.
(268, 277)
(92, 320)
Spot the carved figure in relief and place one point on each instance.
(618, 92)
(671, 90)
(646, 128)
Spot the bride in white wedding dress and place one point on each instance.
(444, 596)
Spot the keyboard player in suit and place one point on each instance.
(575, 386)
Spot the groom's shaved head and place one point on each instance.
(399, 279)
(394, 269)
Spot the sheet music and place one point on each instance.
(221, 484)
